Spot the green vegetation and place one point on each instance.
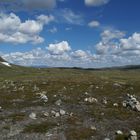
(42, 127)
(18, 99)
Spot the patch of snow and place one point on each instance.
(6, 64)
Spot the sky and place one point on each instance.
(70, 33)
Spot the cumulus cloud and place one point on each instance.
(59, 48)
(115, 49)
(35, 27)
(45, 19)
(20, 38)
(96, 2)
(93, 24)
(12, 30)
(110, 34)
(61, 55)
(109, 41)
(131, 43)
(79, 54)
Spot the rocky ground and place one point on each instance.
(61, 104)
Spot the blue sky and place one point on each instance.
(82, 33)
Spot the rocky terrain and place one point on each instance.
(69, 104)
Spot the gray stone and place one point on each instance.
(137, 107)
(119, 132)
(132, 135)
(58, 102)
(62, 112)
(107, 139)
(32, 116)
(57, 114)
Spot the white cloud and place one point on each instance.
(59, 48)
(79, 54)
(102, 48)
(96, 2)
(71, 17)
(93, 24)
(9, 23)
(108, 35)
(58, 56)
(12, 30)
(132, 43)
(114, 49)
(53, 30)
(45, 19)
(109, 41)
(20, 38)
(35, 27)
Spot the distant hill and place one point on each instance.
(2, 60)
(127, 67)
(4, 63)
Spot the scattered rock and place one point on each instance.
(57, 114)
(97, 87)
(43, 96)
(0, 108)
(117, 85)
(46, 114)
(33, 116)
(104, 101)
(119, 132)
(93, 128)
(91, 100)
(53, 112)
(54, 96)
(137, 107)
(115, 105)
(86, 93)
(132, 135)
(62, 112)
(35, 88)
(107, 139)
(131, 102)
(71, 114)
(58, 102)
